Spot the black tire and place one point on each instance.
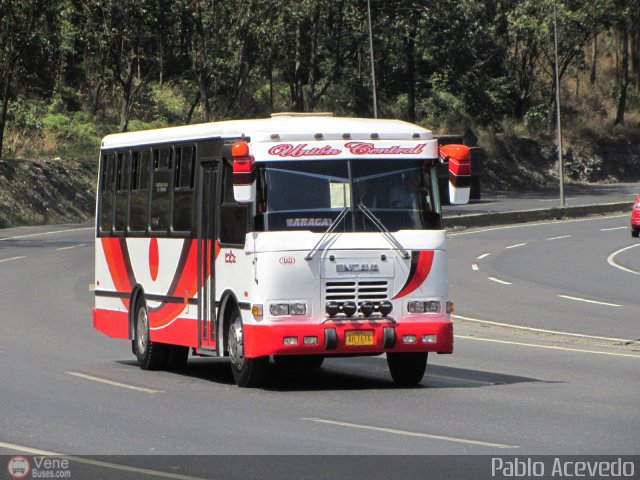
(299, 362)
(151, 355)
(177, 359)
(635, 232)
(247, 372)
(407, 369)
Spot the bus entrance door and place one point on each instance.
(206, 256)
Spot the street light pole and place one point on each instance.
(373, 68)
(559, 123)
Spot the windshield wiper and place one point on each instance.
(384, 230)
(328, 232)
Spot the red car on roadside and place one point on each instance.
(635, 218)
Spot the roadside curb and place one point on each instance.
(524, 216)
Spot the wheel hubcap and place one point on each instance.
(142, 330)
(236, 350)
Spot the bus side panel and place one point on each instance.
(181, 331)
(110, 322)
(165, 269)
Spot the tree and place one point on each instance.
(19, 32)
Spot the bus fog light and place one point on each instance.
(367, 308)
(279, 309)
(290, 340)
(429, 338)
(349, 308)
(298, 309)
(310, 340)
(415, 307)
(332, 308)
(385, 307)
(408, 339)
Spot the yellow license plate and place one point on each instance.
(359, 337)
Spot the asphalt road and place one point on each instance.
(506, 390)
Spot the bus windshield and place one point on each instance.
(304, 195)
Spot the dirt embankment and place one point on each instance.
(514, 162)
(34, 192)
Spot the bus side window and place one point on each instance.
(123, 175)
(161, 190)
(183, 189)
(106, 193)
(139, 204)
(234, 217)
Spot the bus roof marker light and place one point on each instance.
(240, 149)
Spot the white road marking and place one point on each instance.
(72, 246)
(409, 433)
(550, 347)
(612, 262)
(97, 463)
(559, 238)
(46, 233)
(484, 255)
(614, 228)
(541, 330)
(111, 382)
(497, 280)
(474, 267)
(515, 246)
(586, 300)
(11, 259)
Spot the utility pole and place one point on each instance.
(373, 68)
(559, 123)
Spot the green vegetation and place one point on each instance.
(72, 71)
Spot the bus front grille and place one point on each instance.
(373, 290)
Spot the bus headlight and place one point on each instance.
(279, 309)
(298, 309)
(284, 309)
(431, 306)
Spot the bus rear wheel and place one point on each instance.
(151, 355)
(407, 368)
(247, 372)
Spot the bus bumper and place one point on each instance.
(331, 338)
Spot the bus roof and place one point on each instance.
(283, 127)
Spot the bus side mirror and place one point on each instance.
(458, 158)
(244, 173)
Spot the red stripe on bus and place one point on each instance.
(421, 263)
(113, 252)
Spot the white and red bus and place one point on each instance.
(296, 237)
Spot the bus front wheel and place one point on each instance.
(407, 369)
(151, 355)
(247, 372)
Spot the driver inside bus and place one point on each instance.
(406, 195)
